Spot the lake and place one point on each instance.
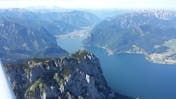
(131, 74)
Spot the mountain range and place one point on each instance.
(148, 32)
(38, 68)
(25, 34)
(55, 22)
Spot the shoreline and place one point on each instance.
(153, 58)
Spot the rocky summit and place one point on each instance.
(77, 76)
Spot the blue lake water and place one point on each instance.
(70, 44)
(132, 74)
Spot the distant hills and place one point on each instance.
(146, 32)
(55, 22)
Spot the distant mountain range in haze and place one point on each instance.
(55, 22)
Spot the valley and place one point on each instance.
(39, 68)
(86, 54)
(82, 33)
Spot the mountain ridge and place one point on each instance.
(77, 76)
(144, 30)
(19, 42)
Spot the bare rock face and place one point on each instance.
(77, 76)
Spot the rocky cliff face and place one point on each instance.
(77, 76)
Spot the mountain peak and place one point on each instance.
(161, 14)
(74, 76)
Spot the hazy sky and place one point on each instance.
(90, 3)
